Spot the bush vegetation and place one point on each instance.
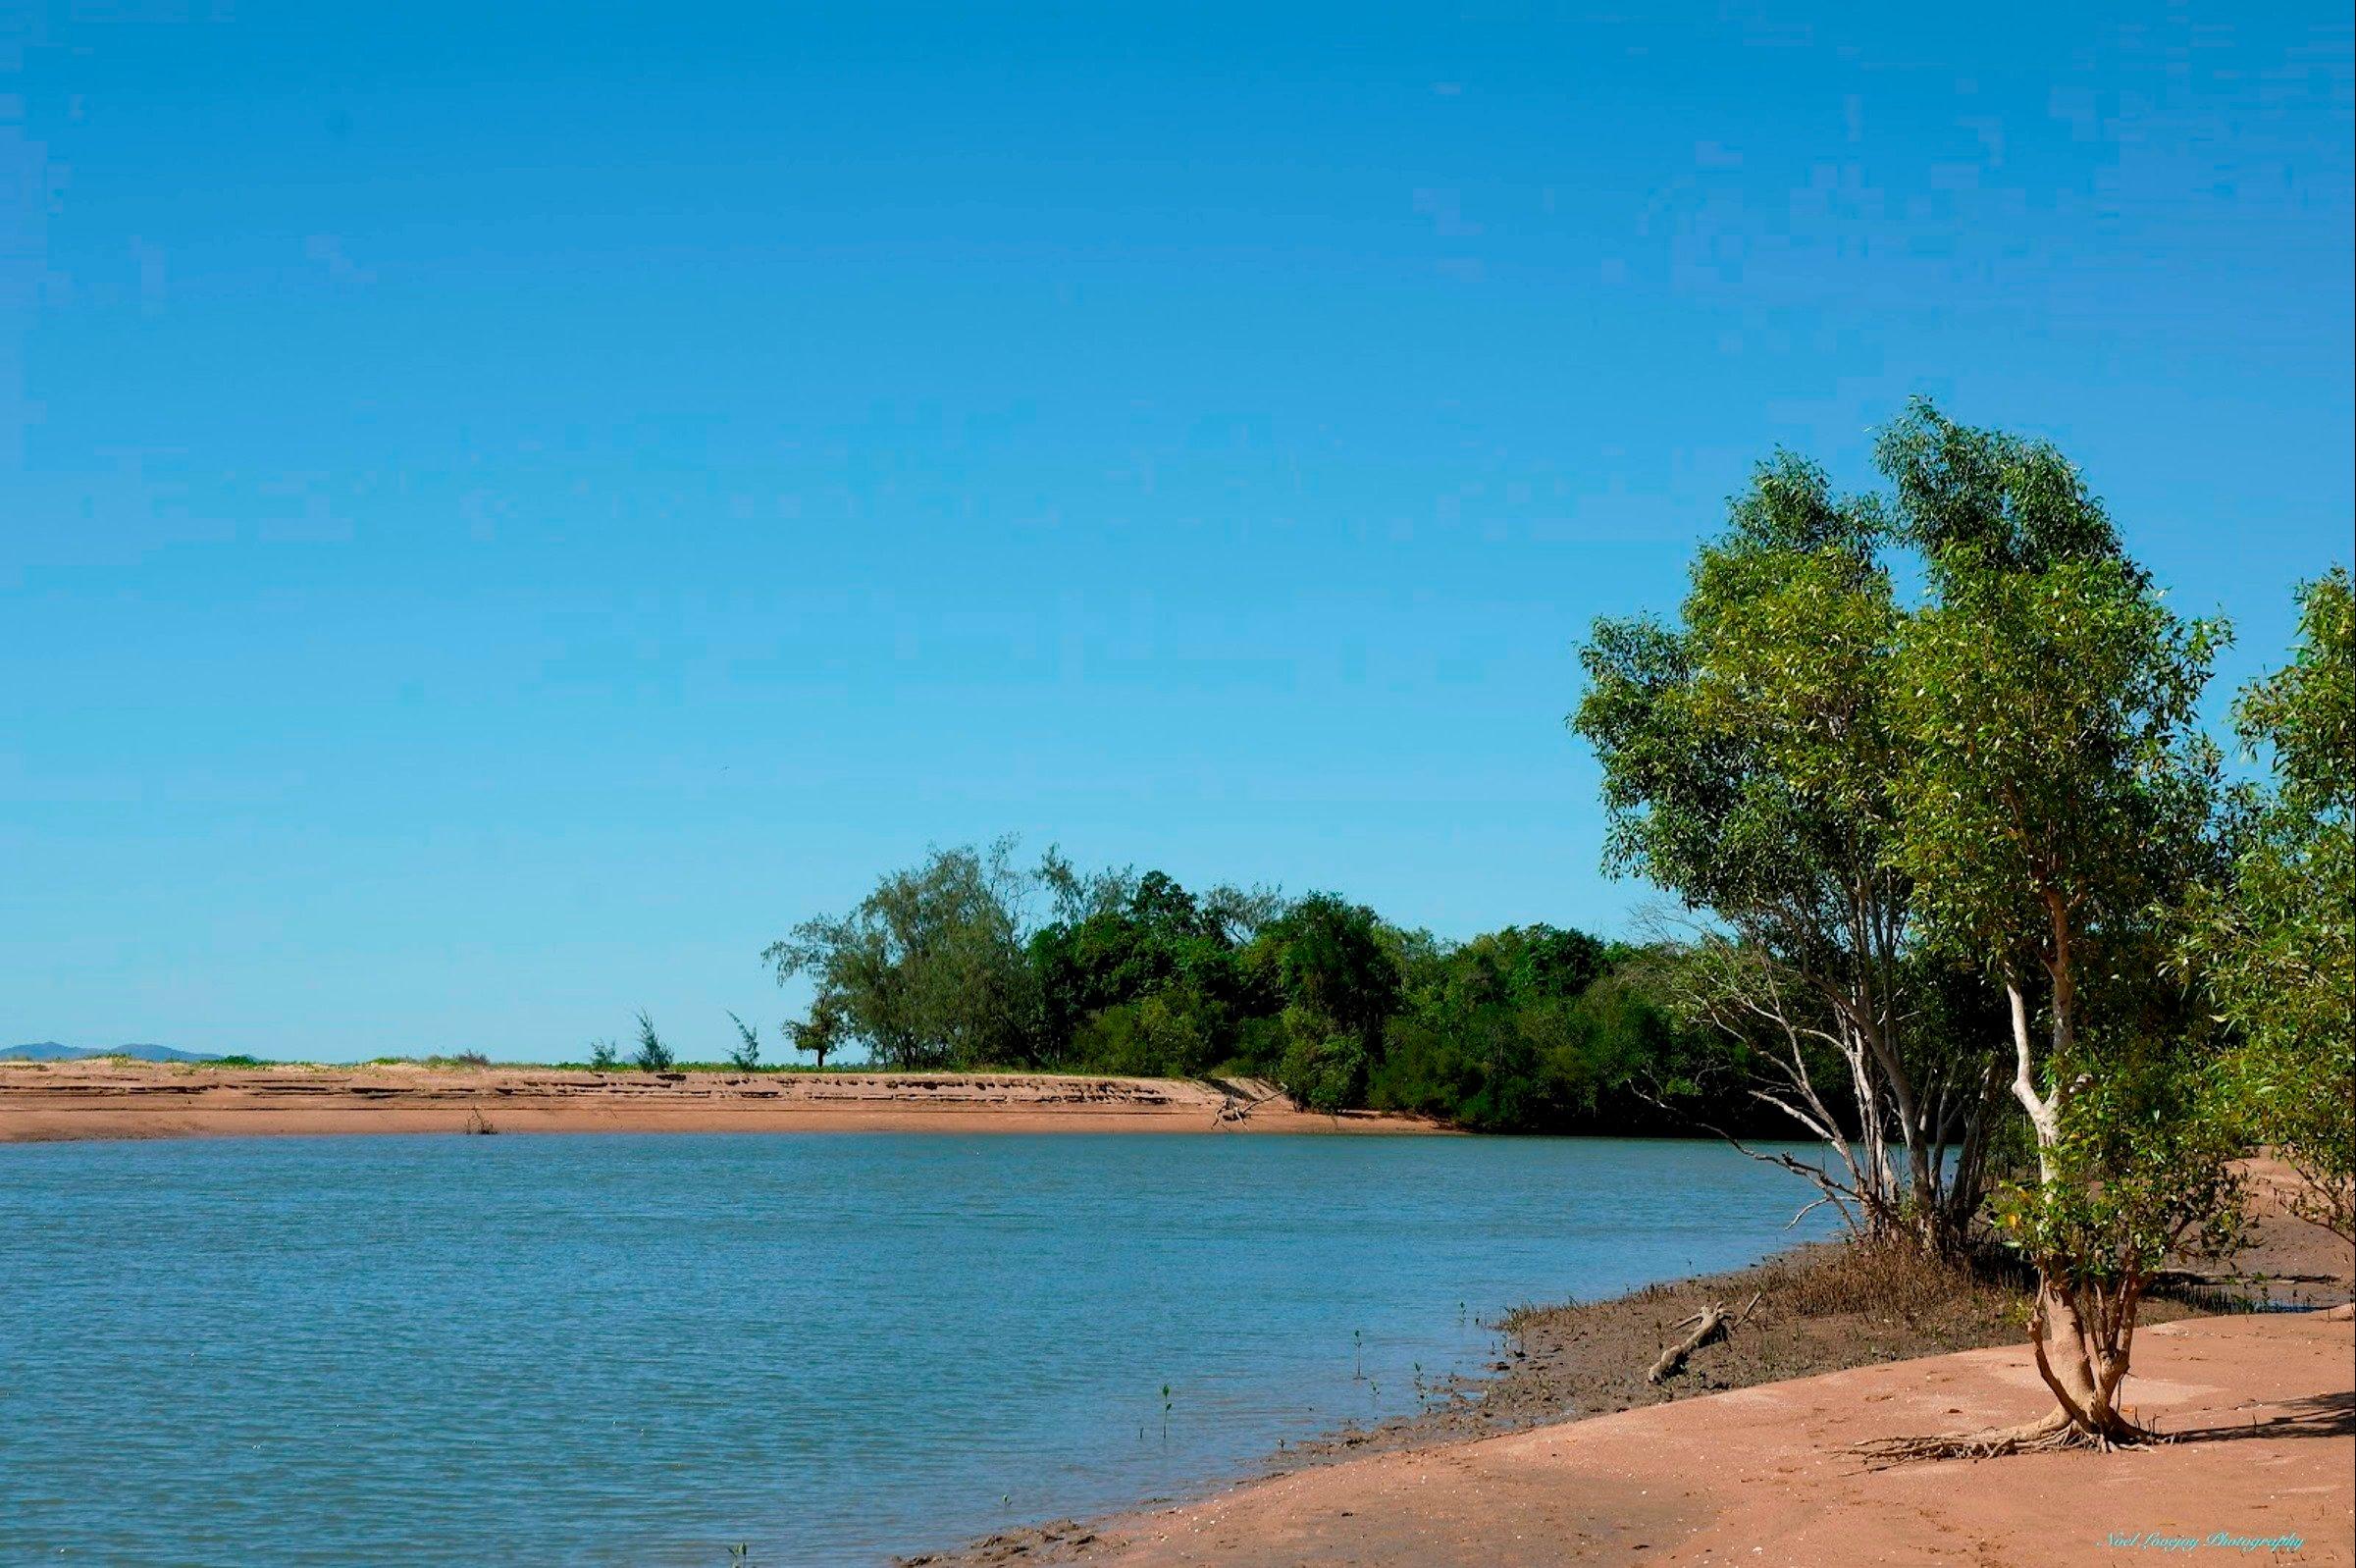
(1531, 1028)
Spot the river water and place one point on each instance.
(829, 1347)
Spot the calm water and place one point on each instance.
(619, 1349)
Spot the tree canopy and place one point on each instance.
(972, 960)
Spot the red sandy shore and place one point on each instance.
(117, 1099)
(2264, 1406)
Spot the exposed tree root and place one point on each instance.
(2051, 1435)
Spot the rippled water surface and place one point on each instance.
(626, 1349)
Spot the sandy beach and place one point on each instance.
(1569, 1456)
(46, 1101)
(2261, 1403)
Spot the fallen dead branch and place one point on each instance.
(1710, 1326)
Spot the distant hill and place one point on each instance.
(51, 1051)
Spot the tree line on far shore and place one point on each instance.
(974, 960)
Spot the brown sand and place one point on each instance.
(1727, 1458)
(2264, 1407)
(118, 1099)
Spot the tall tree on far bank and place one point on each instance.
(929, 968)
(2054, 801)
(1327, 965)
(2278, 939)
(825, 1030)
(1749, 762)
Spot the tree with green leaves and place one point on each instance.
(929, 969)
(2278, 937)
(1519, 1029)
(1749, 760)
(1327, 962)
(1137, 974)
(823, 1031)
(2053, 813)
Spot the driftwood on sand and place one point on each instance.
(1710, 1326)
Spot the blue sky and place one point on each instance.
(503, 510)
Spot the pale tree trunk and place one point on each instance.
(2081, 1335)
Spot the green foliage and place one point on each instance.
(652, 1055)
(602, 1058)
(1986, 500)
(1530, 1028)
(1325, 1071)
(1744, 751)
(929, 968)
(2277, 934)
(1750, 761)
(746, 1057)
(1524, 1029)
(2055, 787)
(1123, 942)
(1167, 1035)
(1329, 962)
(824, 1030)
(2141, 1168)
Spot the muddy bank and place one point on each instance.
(2263, 1408)
(118, 1099)
(1819, 1309)
(1842, 1347)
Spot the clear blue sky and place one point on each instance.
(505, 509)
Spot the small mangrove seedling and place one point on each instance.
(1164, 1415)
(1358, 1354)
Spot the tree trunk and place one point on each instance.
(2083, 1358)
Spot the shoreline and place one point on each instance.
(1562, 1452)
(116, 1099)
(2259, 1403)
